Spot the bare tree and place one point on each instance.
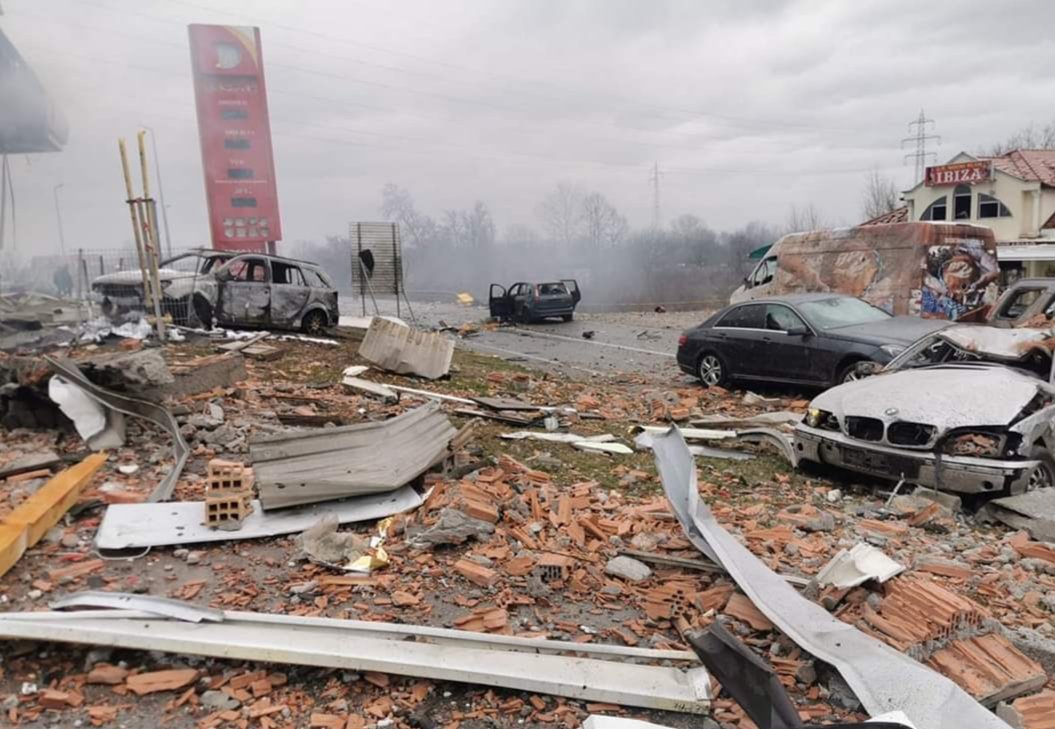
(804, 219)
(521, 235)
(398, 206)
(479, 226)
(880, 195)
(1029, 137)
(739, 244)
(452, 228)
(602, 225)
(687, 225)
(561, 213)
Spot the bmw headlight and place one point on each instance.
(977, 443)
(817, 418)
(893, 349)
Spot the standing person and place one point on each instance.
(63, 281)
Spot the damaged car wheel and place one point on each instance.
(314, 322)
(711, 370)
(1043, 476)
(203, 310)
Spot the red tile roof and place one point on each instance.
(1028, 164)
(897, 215)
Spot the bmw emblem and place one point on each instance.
(890, 411)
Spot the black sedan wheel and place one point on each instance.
(850, 373)
(711, 370)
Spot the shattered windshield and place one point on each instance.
(193, 263)
(936, 349)
(840, 312)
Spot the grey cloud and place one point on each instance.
(475, 99)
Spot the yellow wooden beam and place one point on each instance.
(27, 524)
(12, 544)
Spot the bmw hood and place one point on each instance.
(949, 396)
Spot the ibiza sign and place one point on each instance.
(962, 173)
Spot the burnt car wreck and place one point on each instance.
(966, 409)
(249, 289)
(528, 302)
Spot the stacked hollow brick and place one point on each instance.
(953, 635)
(228, 493)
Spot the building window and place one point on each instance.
(239, 173)
(936, 210)
(243, 202)
(234, 114)
(961, 203)
(236, 143)
(990, 207)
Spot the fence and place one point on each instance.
(71, 274)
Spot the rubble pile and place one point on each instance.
(519, 538)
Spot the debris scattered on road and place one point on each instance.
(400, 349)
(853, 567)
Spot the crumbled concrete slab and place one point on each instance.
(131, 372)
(322, 543)
(452, 527)
(628, 569)
(950, 501)
(1034, 645)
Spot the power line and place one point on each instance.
(369, 82)
(403, 111)
(920, 139)
(654, 178)
(466, 151)
(573, 93)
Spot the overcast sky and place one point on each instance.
(747, 106)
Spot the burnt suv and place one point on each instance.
(230, 289)
(528, 302)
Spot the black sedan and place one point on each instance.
(801, 339)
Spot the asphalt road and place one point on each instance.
(618, 342)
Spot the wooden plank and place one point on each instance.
(42, 510)
(500, 403)
(27, 524)
(31, 462)
(500, 417)
(13, 544)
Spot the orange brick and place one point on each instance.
(741, 608)
(480, 510)
(52, 699)
(476, 573)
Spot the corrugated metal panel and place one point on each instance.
(333, 463)
(398, 348)
(134, 526)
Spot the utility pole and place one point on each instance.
(920, 139)
(58, 217)
(654, 179)
(161, 191)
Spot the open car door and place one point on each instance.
(499, 302)
(573, 289)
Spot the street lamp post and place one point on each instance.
(58, 217)
(161, 191)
